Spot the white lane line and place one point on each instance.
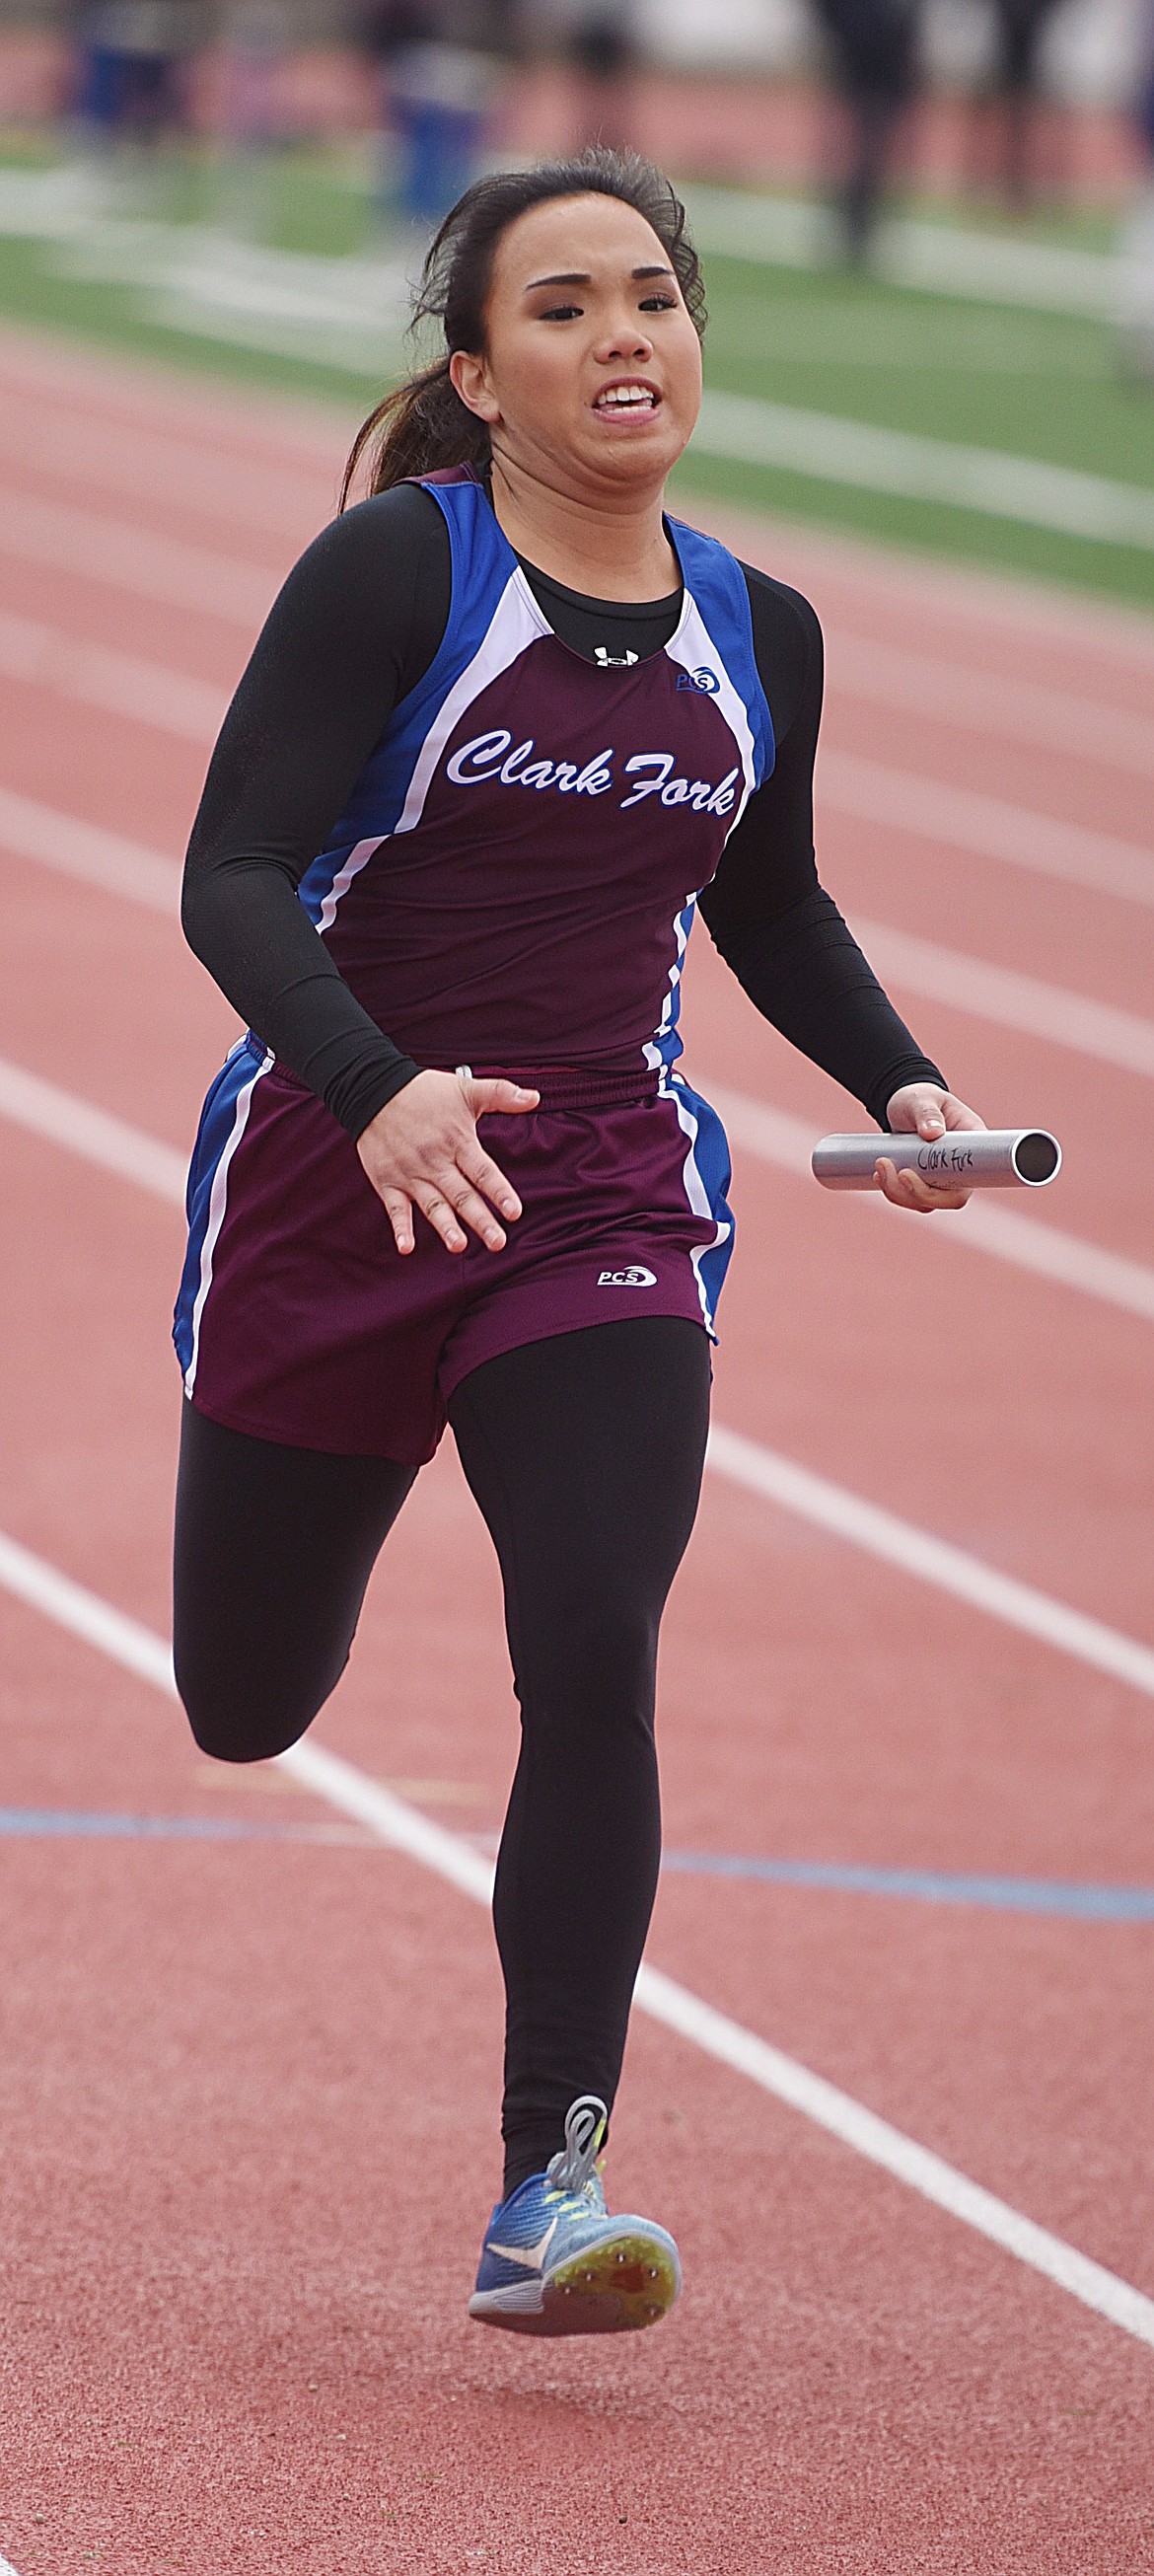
(930, 1560)
(257, 427)
(987, 826)
(1009, 1000)
(140, 1651)
(99, 1138)
(121, 684)
(39, 832)
(944, 259)
(122, 455)
(827, 448)
(6, 2567)
(794, 1488)
(64, 1119)
(65, 205)
(955, 693)
(774, 1137)
(132, 558)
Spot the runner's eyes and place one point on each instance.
(656, 303)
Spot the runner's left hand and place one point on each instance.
(922, 1110)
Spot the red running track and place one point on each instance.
(250, 2083)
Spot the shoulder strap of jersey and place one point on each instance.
(482, 561)
(719, 588)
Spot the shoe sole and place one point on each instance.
(628, 2282)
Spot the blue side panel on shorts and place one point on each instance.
(709, 1159)
(719, 587)
(217, 1120)
(480, 564)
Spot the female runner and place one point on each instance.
(504, 722)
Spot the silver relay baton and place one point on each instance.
(979, 1158)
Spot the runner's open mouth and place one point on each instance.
(631, 398)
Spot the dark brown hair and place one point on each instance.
(423, 423)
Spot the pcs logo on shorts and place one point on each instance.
(634, 1277)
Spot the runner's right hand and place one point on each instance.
(422, 1151)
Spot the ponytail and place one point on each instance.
(423, 424)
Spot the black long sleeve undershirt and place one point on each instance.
(353, 630)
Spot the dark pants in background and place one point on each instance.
(874, 48)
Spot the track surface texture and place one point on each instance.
(251, 2074)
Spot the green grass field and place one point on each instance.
(1039, 385)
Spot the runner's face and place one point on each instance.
(593, 367)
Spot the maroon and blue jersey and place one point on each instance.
(514, 876)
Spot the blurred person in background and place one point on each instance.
(437, 70)
(132, 68)
(255, 41)
(1008, 112)
(1136, 248)
(603, 50)
(874, 47)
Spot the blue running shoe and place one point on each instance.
(555, 2263)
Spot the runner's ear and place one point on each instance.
(469, 379)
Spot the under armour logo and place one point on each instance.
(614, 661)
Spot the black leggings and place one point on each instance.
(584, 1454)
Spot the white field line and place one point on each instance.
(829, 449)
(1102, 638)
(131, 558)
(776, 1138)
(943, 259)
(43, 1109)
(1009, 1000)
(68, 205)
(987, 827)
(930, 1560)
(112, 1144)
(403, 1828)
(125, 457)
(289, 430)
(955, 693)
(30, 830)
(6, 2567)
(120, 684)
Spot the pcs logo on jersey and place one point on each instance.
(706, 682)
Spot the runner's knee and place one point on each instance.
(236, 1723)
(592, 1662)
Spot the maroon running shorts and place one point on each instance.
(299, 1321)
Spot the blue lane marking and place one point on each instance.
(1100, 1904)
(197, 1829)
(1092, 1903)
